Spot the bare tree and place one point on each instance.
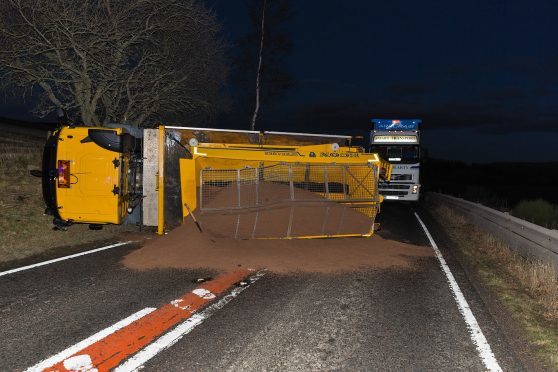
(113, 60)
(258, 73)
(262, 53)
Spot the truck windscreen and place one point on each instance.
(409, 154)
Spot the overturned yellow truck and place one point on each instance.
(242, 182)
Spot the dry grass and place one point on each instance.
(24, 229)
(537, 211)
(529, 289)
(537, 278)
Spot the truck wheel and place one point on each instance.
(95, 226)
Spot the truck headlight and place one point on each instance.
(415, 188)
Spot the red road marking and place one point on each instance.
(115, 348)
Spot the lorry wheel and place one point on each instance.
(95, 226)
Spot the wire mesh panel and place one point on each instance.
(288, 200)
(228, 188)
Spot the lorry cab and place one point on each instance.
(398, 141)
(89, 174)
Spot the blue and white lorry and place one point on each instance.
(398, 141)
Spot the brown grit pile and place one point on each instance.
(215, 248)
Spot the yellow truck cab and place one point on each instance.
(89, 175)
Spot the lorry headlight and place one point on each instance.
(414, 189)
(64, 173)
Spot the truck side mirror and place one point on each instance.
(109, 140)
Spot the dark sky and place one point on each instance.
(481, 74)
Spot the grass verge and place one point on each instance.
(527, 289)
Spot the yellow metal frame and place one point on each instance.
(161, 182)
(323, 236)
(188, 185)
(314, 154)
(237, 156)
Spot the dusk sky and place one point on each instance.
(482, 75)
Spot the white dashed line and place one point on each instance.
(483, 348)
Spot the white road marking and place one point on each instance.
(89, 341)
(483, 348)
(81, 363)
(172, 337)
(176, 303)
(62, 258)
(203, 293)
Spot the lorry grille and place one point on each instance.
(394, 193)
(384, 186)
(401, 177)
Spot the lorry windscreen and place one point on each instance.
(408, 154)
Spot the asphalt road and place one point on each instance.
(366, 320)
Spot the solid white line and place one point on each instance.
(89, 341)
(62, 258)
(172, 337)
(483, 348)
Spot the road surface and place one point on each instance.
(367, 320)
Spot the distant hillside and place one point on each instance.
(501, 185)
(36, 129)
